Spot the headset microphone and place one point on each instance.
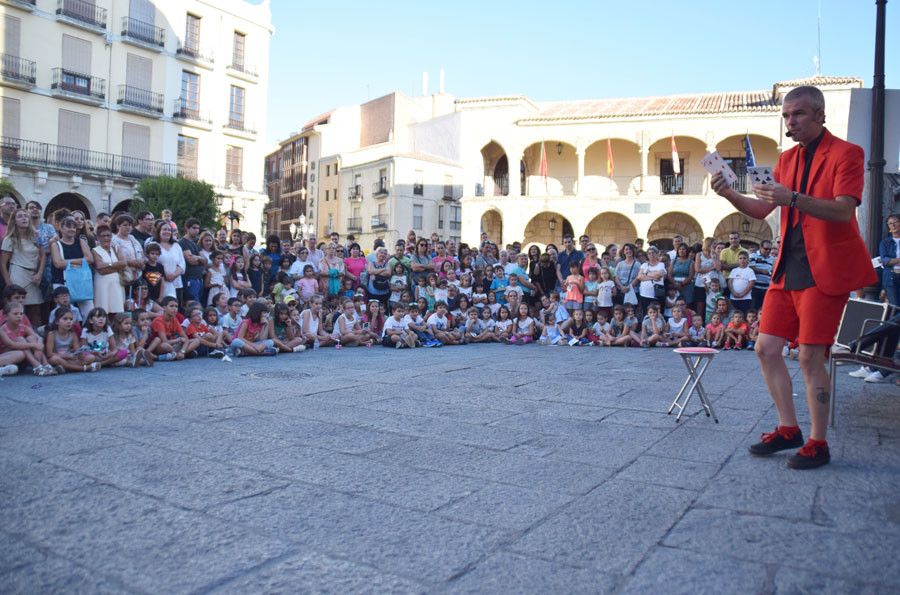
(788, 134)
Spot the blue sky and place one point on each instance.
(325, 55)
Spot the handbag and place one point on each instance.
(630, 297)
(659, 291)
(80, 282)
(128, 275)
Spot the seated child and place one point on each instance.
(715, 332)
(737, 331)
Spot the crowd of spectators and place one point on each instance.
(133, 290)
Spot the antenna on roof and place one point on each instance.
(817, 59)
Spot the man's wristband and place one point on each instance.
(794, 196)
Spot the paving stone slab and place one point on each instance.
(764, 496)
(26, 479)
(611, 529)
(673, 571)
(312, 572)
(505, 572)
(505, 506)
(698, 444)
(676, 473)
(612, 446)
(428, 408)
(57, 575)
(392, 539)
(795, 581)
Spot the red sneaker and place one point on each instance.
(813, 454)
(782, 438)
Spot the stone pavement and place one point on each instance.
(478, 469)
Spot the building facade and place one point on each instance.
(99, 94)
(459, 167)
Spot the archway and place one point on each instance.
(691, 178)
(496, 169)
(671, 224)
(624, 175)
(732, 150)
(230, 219)
(752, 231)
(611, 228)
(67, 200)
(562, 169)
(123, 206)
(492, 225)
(547, 227)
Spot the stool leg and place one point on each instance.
(680, 392)
(701, 392)
(691, 365)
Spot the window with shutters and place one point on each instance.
(234, 164)
(74, 138)
(135, 149)
(76, 55)
(440, 217)
(418, 210)
(238, 47)
(192, 35)
(9, 148)
(190, 94)
(236, 108)
(419, 184)
(187, 156)
(12, 34)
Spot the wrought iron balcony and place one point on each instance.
(380, 188)
(28, 153)
(354, 224)
(189, 110)
(240, 125)
(140, 99)
(244, 69)
(71, 83)
(354, 193)
(24, 4)
(380, 221)
(183, 170)
(87, 13)
(455, 225)
(448, 192)
(194, 54)
(681, 184)
(18, 70)
(143, 32)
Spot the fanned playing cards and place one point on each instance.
(713, 163)
(761, 174)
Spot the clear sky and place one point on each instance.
(325, 55)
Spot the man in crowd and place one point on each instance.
(677, 241)
(761, 262)
(565, 259)
(143, 229)
(818, 187)
(196, 262)
(730, 254)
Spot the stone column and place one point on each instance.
(579, 179)
(515, 185)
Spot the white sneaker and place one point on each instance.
(875, 376)
(9, 370)
(225, 358)
(785, 351)
(299, 348)
(862, 372)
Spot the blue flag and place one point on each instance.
(748, 151)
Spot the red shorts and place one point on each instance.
(807, 315)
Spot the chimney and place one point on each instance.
(425, 83)
(441, 82)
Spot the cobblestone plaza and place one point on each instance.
(488, 469)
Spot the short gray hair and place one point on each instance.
(808, 92)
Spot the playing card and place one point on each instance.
(761, 174)
(713, 163)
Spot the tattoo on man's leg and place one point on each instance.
(822, 395)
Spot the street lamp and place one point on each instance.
(552, 224)
(745, 226)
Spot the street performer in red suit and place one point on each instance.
(818, 185)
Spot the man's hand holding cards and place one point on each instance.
(714, 164)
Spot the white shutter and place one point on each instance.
(74, 129)
(12, 31)
(11, 109)
(135, 141)
(76, 54)
(139, 72)
(142, 10)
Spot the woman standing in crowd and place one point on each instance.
(108, 291)
(705, 263)
(420, 263)
(332, 272)
(355, 264)
(681, 273)
(129, 251)
(380, 276)
(625, 279)
(652, 275)
(22, 262)
(70, 250)
(83, 228)
(171, 258)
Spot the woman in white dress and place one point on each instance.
(128, 249)
(171, 258)
(108, 291)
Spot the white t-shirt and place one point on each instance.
(296, 270)
(392, 323)
(676, 328)
(740, 280)
(604, 294)
(441, 324)
(646, 288)
(349, 321)
(408, 320)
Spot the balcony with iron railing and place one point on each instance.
(32, 154)
(448, 192)
(239, 126)
(380, 221)
(243, 71)
(194, 55)
(355, 193)
(186, 170)
(189, 112)
(145, 34)
(140, 101)
(80, 13)
(455, 225)
(380, 188)
(354, 224)
(18, 72)
(78, 86)
(23, 4)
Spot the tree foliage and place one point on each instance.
(6, 188)
(184, 197)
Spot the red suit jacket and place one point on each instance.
(837, 254)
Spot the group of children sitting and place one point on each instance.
(247, 325)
